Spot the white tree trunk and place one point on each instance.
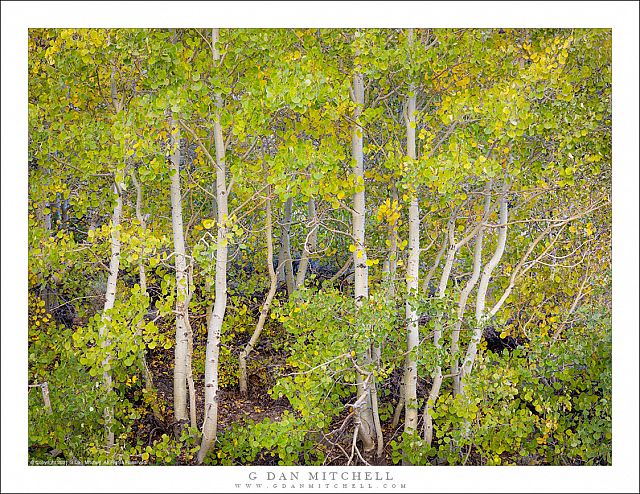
(285, 247)
(193, 420)
(267, 302)
(210, 424)
(437, 332)
(436, 263)
(464, 296)
(392, 267)
(182, 284)
(280, 261)
(310, 244)
(364, 413)
(472, 349)
(44, 219)
(389, 274)
(413, 266)
(434, 392)
(448, 264)
(148, 378)
(109, 301)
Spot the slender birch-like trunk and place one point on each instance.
(148, 378)
(93, 219)
(392, 266)
(472, 349)
(112, 281)
(437, 332)
(389, 274)
(310, 244)
(280, 261)
(45, 292)
(436, 263)
(448, 263)
(65, 213)
(109, 301)
(342, 270)
(413, 266)
(58, 211)
(285, 247)
(193, 420)
(267, 302)
(464, 296)
(434, 392)
(182, 284)
(45, 219)
(364, 413)
(210, 424)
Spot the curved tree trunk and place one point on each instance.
(437, 332)
(310, 244)
(472, 349)
(267, 302)
(110, 298)
(464, 296)
(436, 263)
(434, 392)
(148, 378)
(210, 424)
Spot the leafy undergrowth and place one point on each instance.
(532, 404)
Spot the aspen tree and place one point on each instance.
(109, 301)
(481, 316)
(214, 324)
(364, 413)
(310, 243)
(180, 374)
(267, 302)
(413, 266)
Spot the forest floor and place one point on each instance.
(236, 409)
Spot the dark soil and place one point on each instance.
(233, 408)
